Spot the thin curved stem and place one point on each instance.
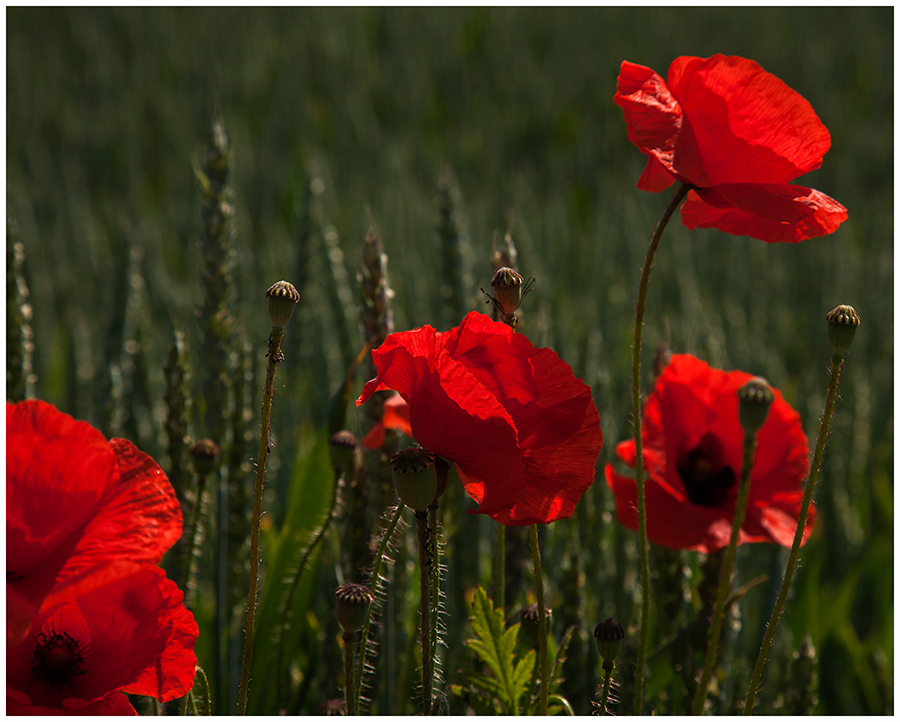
(542, 618)
(638, 441)
(192, 539)
(275, 357)
(715, 629)
(837, 361)
(364, 639)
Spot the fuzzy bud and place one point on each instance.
(353, 601)
(415, 477)
(609, 635)
(204, 455)
(755, 397)
(842, 325)
(283, 297)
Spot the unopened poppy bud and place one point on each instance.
(353, 601)
(609, 635)
(755, 398)
(529, 620)
(415, 477)
(282, 299)
(204, 455)
(842, 325)
(507, 285)
(343, 450)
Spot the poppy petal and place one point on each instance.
(771, 213)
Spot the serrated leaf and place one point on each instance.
(495, 646)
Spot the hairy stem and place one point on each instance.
(542, 618)
(638, 442)
(425, 610)
(715, 629)
(275, 357)
(364, 640)
(837, 361)
(349, 685)
(607, 681)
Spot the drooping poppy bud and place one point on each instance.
(755, 396)
(842, 325)
(353, 601)
(282, 299)
(415, 477)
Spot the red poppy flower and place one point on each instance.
(396, 416)
(737, 135)
(523, 431)
(75, 501)
(88, 613)
(692, 458)
(122, 628)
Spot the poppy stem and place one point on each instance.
(364, 639)
(639, 458)
(435, 576)
(192, 539)
(349, 639)
(425, 610)
(607, 681)
(542, 620)
(715, 629)
(837, 361)
(275, 357)
(500, 568)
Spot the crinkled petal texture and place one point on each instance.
(725, 122)
(75, 501)
(131, 631)
(692, 455)
(522, 430)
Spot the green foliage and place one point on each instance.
(495, 645)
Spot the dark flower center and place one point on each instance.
(706, 480)
(56, 660)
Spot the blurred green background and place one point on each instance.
(356, 113)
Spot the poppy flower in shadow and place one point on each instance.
(522, 430)
(75, 501)
(692, 443)
(87, 520)
(121, 628)
(396, 416)
(737, 135)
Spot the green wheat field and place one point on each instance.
(441, 131)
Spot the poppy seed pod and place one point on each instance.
(529, 620)
(282, 299)
(343, 450)
(507, 285)
(204, 455)
(609, 635)
(842, 325)
(415, 477)
(755, 396)
(352, 605)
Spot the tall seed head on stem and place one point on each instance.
(755, 397)
(283, 297)
(352, 605)
(842, 325)
(415, 477)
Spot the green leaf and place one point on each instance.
(311, 490)
(495, 646)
